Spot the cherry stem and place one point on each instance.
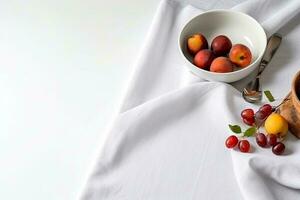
(284, 100)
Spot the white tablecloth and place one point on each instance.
(168, 139)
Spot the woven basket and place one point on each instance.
(290, 108)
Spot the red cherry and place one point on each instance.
(266, 109)
(260, 115)
(244, 146)
(272, 139)
(278, 148)
(231, 141)
(249, 122)
(261, 139)
(247, 114)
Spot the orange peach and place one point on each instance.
(196, 43)
(221, 65)
(240, 55)
(204, 58)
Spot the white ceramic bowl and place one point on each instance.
(239, 27)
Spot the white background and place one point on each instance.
(63, 68)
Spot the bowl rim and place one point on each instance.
(225, 73)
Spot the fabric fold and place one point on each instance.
(168, 140)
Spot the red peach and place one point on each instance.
(240, 55)
(221, 45)
(196, 43)
(204, 58)
(221, 65)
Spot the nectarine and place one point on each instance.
(221, 65)
(240, 55)
(204, 58)
(221, 45)
(196, 43)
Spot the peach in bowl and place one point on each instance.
(222, 45)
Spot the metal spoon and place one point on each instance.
(252, 92)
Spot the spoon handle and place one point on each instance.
(272, 46)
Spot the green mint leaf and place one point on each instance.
(250, 131)
(269, 95)
(235, 128)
